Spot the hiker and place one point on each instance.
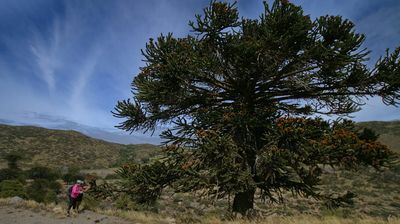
(73, 193)
(84, 188)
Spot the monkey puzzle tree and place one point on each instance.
(236, 94)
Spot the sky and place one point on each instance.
(75, 59)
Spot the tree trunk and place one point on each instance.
(243, 201)
(244, 138)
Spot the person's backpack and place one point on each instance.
(69, 190)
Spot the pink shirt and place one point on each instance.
(76, 189)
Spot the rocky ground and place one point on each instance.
(16, 211)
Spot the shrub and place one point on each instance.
(42, 190)
(125, 202)
(37, 190)
(50, 197)
(9, 174)
(55, 186)
(89, 202)
(72, 175)
(41, 172)
(11, 188)
(12, 160)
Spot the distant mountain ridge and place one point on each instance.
(59, 148)
(59, 123)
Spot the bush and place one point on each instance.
(50, 197)
(41, 172)
(37, 190)
(12, 160)
(125, 202)
(89, 202)
(42, 190)
(10, 174)
(55, 186)
(72, 175)
(11, 188)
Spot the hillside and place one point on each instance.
(389, 132)
(57, 148)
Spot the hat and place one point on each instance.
(79, 182)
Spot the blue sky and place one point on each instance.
(75, 59)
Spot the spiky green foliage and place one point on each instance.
(236, 91)
(144, 183)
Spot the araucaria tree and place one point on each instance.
(241, 97)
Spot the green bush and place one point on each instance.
(10, 174)
(125, 202)
(37, 190)
(72, 175)
(55, 186)
(11, 188)
(41, 172)
(42, 190)
(50, 197)
(89, 202)
(12, 160)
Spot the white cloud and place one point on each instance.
(88, 56)
(45, 52)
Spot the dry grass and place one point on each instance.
(146, 217)
(34, 206)
(99, 172)
(306, 219)
(141, 217)
(28, 204)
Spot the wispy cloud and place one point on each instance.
(75, 59)
(45, 53)
(80, 104)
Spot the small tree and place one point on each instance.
(42, 190)
(72, 175)
(9, 174)
(12, 160)
(13, 171)
(42, 172)
(237, 93)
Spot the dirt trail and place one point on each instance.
(13, 215)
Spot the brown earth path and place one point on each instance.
(15, 215)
